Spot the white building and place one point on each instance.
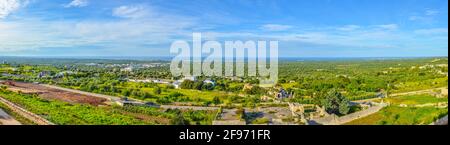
(177, 84)
(192, 78)
(127, 69)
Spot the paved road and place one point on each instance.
(5, 119)
(196, 108)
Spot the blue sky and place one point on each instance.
(304, 28)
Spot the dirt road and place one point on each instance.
(428, 91)
(417, 92)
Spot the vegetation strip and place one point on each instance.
(27, 114)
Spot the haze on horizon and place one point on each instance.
(307, 28)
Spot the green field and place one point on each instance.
(396, 115)
(402, 116)
(415, 100)
(15, 115)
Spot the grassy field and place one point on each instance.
(189, 94)
(415, 100)
(395, 115)
(402, 116)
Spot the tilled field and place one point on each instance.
(54, 94)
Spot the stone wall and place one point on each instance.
(228, 122)
(335, 120)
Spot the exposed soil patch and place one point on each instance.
(53, 94)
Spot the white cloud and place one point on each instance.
(427, 16)
(37, 34)
(9, 6)
(414, 18)
(388, 26)
(375, 37)
(275, 27)
(77, 3)
(431, 12)
(349, 28)
(433, 31)
(134, 11)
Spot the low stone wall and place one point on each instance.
(360, 114)
(31, 116)
(228, 122)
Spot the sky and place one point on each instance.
(304, 28)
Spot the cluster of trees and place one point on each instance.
(196, 85)
(255, 90)
(173, 97)
(191, 117)
(334, 102)
(249, 101)
(357, 78)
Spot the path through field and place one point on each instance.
(403, 94)
(416, 92)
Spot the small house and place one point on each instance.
(282, 94)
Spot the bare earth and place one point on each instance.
(54, 94)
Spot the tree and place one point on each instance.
(197, 85)
(147, 95)
(216, 100)
(187, 84)
(157, 90)
(3, 87)
(255, 90)
(126, 92)
(179, 120)
(240, 112)
(334, 102)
